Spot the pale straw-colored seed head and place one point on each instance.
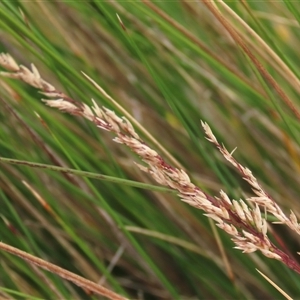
(61, 104)
(239, 210)
(225, 197)
(7, 62)
(249, 232)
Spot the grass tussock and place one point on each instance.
(165, 67)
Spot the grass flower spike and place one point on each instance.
(246, 226)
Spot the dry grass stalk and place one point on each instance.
(262, 70)
(246, 226)
(275, 285)
(78, 280)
